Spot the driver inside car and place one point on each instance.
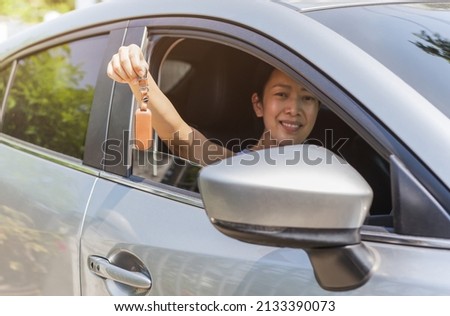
(288, 109)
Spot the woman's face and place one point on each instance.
(289, 111)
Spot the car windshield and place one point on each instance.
(411, 40)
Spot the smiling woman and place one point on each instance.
(288, 110)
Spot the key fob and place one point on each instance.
(143, 133)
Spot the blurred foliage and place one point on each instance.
(47, 105)
(434, 45)
(33, 11)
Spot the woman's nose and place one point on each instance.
(293, 107)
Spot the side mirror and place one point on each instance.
(301, 196)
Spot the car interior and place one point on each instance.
(214, 96)
(212, 90)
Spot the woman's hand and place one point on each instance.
(127, 65)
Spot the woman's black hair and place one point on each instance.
(261, 77)
(262, 74)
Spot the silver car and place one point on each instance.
(361, 208)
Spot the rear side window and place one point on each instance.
(51, 96)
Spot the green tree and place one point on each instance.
(33, 11)
(48, 106)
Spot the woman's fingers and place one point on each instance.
(115, 70)
(137, 60)
(127, 65)
(126, 68)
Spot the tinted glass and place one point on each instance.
(166, 169)
(411, 40)
(51, 96)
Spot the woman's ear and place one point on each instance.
(257, 105)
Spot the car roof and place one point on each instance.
(115, 11)
(313, 5)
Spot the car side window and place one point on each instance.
(212, 92)
(50, 99)
(210, 86)
(160, 165)
(334, 134)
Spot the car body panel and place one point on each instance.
(42, 210)
(185, 255)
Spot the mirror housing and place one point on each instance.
(300, 196)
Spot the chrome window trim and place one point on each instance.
(377, 234)
(169, 193)
(47, 154)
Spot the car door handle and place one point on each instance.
(102, 267)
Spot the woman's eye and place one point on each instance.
(308, 98)
(281, 94)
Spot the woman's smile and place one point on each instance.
(292, 127)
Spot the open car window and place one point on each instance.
(211, 86)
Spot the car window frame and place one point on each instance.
(345, 106)
(48, 154)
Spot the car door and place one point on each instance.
(137, 223)
(48, 90)
(146, 231)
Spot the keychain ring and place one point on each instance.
(143, 88)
